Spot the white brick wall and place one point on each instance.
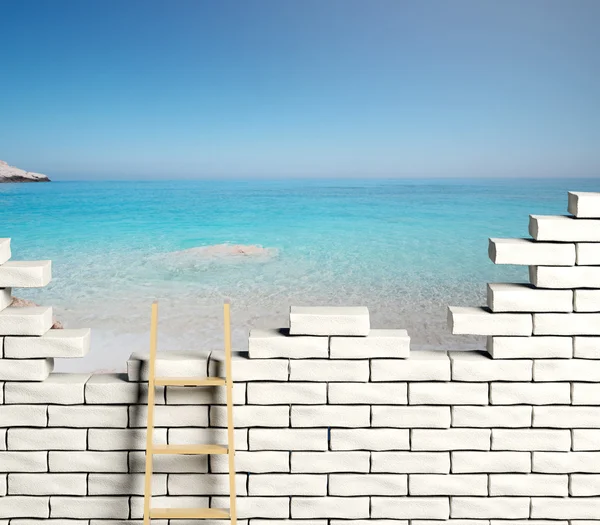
(479, 366)
(587, 301)
(379, 343)
(275, 342)
(448, 484)
(485, 508)
(529, 252)
(564, 277)
(588, 253)
(539, 347)
(531, 439)
(561, 228)
(506, 297)
(481, 321)
(329, 320)
(584, 204)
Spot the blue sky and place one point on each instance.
(320, 88)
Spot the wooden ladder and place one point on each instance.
(152, 448)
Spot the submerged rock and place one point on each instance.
(12, 174)
(226, 251)
(18, 302)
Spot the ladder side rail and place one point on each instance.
(230, 427)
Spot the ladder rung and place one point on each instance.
(189, 381)
(175, 513)
(189, 449)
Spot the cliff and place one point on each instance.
(12, 174)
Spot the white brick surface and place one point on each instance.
(250, 416)
(436, 508)
(204, 484)
(168, 463)
(479, 366)
(87, 416)
(99, 507)
(192, 436)
(330, 507)
(450, 439)
(531, 439)
(482, 508)
(411, 462)
(448, 394)
(566, 462)
(168, 364)
(325, 462)
(23, 415)
(183, 395)
(491, 416)
(25, 320)
(588, 253)
(587, 300)
(87, 461)
(137, 505)
(302, 393)
(505, 297)
(335, 416)
(329, 320)
(25, 274)
(257, 507)
(368, 393)
(368, 484)
(487, 462)
(169, 416)
(47, 484)
(584, 204)
(369, 439)
(380, 343)
(586, 439)
(25, 369)
(481, 321)
(410, 417)
(530, 393)
(529, 485)
(122, 438)
(586, 347)
(538, 347)
(565, 276)
(565, 508)
(563, 228)
(570, 370)
(58, 389)
(585, 485)
(309, 439)
(329, 370)
(244, 369)
(528, 252)
(5, 253)
(448, 485)
(24, 507)
(420, 366)
(253, 462)
(53, 343)
(23, 461)
(566, 417)
(109, 389)
(46, 439)
(276, 342)
(287, 485)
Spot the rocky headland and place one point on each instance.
(12, 174)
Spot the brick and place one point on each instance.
(566, 462)
(588, 253)
(481, 321)
(562, 228)
(23, 415)
(530, 393)
(169, 416)
(465, 522)
(304, 522)
(334, 416)
(46, 439)
(183, 395)
(368, 394)
(508, 297)
(482, 508)
(253, 462)
(25, 320)
(329, 320)
(584, 204)
(87, 461)
(258, 507)
(380, 343)
(204, 484)
(327, 462)
(528, 252)
(25, 369)
(287, 393)
(566, 417)
(529, 485)
(369, 439)
(565, 276)
(538, 347)
(24, 507)
(585, 485)
(244, 369)
(116, 389)
(531, 439)
(287, 485)
(411, 417)
(97, 507)
(448, 394)
(586, 347)
(479, 366)
(251, 416)
(3, 486)
(87, 416)
(448, 485)
(288, 439)
(5, 253)
(450, 439)
(586, 439)
(125, 484)
(491, 416)
(47, 484)
(565, 508)
(330, 507)
(122, 438)
(329, 370)
(137, 506)
(23, 461)
(58, 389)
(530, 522)
(587, 300)
(25, 274)
(411, 462)
(192, 436)
(5, 299)
(277, 343)
(420, 366)
(54, 343)
(571, 370)
(168, 463)
(487, 462)
(368, 485)
(411, 508)
(168, 364)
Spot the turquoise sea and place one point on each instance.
(405, 248)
